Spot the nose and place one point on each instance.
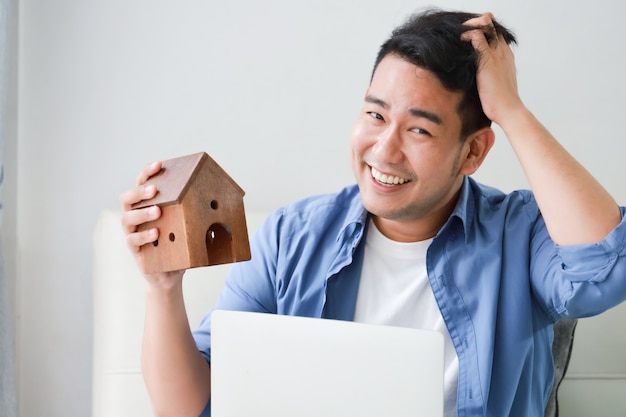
(388, 146)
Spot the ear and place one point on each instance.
(477, 146)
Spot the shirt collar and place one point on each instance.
(354, 221)
(465, 208)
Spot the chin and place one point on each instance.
(374, 206)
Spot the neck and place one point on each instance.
(416, 230)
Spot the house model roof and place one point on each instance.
(176, 176)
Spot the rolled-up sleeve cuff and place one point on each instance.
(594, 262)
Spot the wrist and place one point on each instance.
(515, 117)
(165, 284)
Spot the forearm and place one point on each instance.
(575, 207)
(176, 375)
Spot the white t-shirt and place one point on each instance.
(394, 291)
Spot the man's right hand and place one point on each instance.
(132, 218)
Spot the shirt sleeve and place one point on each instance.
(249, 285)
(589, 279)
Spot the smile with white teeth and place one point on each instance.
(387, 179)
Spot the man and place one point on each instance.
(418, 243)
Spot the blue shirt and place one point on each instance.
(499, 280)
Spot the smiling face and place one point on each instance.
(406, 149)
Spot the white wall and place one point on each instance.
(270, 90)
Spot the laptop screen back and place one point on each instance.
(267, 365)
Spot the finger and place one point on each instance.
(485, 19)
(136, 240)
(148, 171)
(137, 194)
(483, 33)
(131, 219)
(477, 38)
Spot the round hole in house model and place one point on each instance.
(172, 237)
(214, 205)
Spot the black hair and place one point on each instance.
(432, 41)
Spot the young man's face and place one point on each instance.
(407, 154)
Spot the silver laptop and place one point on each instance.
(267, 365)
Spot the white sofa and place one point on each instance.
(595, 384)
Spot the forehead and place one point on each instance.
(401, 83)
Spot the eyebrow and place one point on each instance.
(414, 112)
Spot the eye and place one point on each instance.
(421, 131)
(375, 115)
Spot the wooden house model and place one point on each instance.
(202, 219)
